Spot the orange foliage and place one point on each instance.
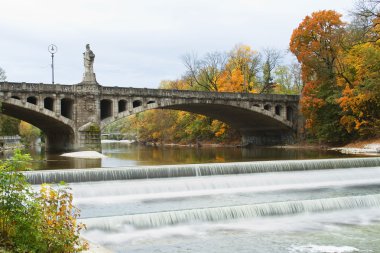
(315, 43)
(316, 40)
(231, 82)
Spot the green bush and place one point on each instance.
(35, 222)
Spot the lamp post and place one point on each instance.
(52, 49)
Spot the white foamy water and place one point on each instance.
(322, 249)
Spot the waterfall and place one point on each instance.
(214, 214)
(117, 191)
(168, 171)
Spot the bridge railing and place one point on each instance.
(144, 92)
(141, 92)
(36, 87)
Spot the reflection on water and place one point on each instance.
(123, 154)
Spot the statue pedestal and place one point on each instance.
(89, 78)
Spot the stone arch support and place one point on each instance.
(59, 130)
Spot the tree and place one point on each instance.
(9, 125)
(283, 80)
(29, 133)
(288, 79)
(296, 72)
(317, 45)
(366, 24)
(204, 74)
(360, 100)
(241, 71)
(272, 58)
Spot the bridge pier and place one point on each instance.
(88, 137)
(268, 138)
(60, 141)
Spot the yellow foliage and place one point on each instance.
(231, 81)
(60, 220)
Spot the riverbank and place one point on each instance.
(366, 147)
(163, 144)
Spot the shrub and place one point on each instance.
(59, 221)
(35, 222)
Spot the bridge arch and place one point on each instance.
(251, 120)
(59, 130)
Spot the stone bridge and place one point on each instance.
(73, 116)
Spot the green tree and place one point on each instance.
(288, 79)
(29, 133)
(9, 125)
(272, 58)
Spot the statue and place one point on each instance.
(88, 58)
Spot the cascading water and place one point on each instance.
(295, 206)
(143, 172)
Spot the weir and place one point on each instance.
(149, 220)
(224, 202)
(151, 189)
(168, 171)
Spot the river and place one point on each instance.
(124, 154)
(224, 199)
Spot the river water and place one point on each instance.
(124, 154)
(237, 203)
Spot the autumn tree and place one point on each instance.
(360, 99)
(204, 74)
(317, 45)
(178, 84)
(241, 70)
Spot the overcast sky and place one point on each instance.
(139, 43)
